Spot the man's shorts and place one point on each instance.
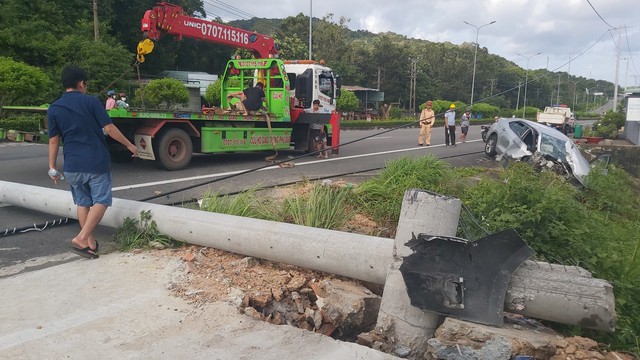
(464, 129)
(89, 189)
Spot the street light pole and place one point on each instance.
(475, 56)
(310, 26)
(526, 82)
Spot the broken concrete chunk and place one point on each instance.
(253, 313)
(351, 307)
(260, 300)
(277, 293)
(486, 342)
(188, 257)
(248, 262)
(296, 283)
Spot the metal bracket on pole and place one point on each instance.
(464, 279)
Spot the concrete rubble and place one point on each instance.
(331, 307)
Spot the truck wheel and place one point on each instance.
(490, 146)
(174, 149)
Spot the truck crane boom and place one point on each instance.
(172, 19)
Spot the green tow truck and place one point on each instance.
(171, 138)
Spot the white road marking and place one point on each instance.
(201, 177)
(379, 137)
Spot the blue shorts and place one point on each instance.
(88, 189)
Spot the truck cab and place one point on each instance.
(557, 116)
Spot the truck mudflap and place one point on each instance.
(464, 279)
(145, 147)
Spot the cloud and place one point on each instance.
(558, 29)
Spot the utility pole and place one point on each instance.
(526, 83)
(412, 85)
(310, 25)
(615, 89)
(558, 94)
(493, 83)
(518, 102)
(626, 74)
(96, 25)
(379, 71)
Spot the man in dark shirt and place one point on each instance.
(79, 120)
(251, 98)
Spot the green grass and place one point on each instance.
(142, 233)
(244, 204)
(381, 197)
(324, 207)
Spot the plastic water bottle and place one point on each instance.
(56, 174)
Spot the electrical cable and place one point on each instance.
(626, 35)
(601, 18)
(193, 200)
(37, 227)
(277, 163)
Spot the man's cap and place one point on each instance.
(452, 106)
(110, 93)
(317, 102)
(429, 103)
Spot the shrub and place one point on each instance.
(30, 123)
(166, 92)
(348, 101)
(22, 84)
(485, 110)
(609, 125)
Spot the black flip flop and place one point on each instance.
(85, 252)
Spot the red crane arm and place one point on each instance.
(171, 19)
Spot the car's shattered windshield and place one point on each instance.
(553, 147)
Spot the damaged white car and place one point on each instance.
(538, 144)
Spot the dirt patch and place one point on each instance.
(265, 290)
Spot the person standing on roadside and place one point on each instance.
(465, 122)
(317, 133)
(78, 120)
(450, 125)
(427, 118)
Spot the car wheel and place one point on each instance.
(484, 136)
(490, 146)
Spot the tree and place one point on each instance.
(486, 110)
(21, 84)
(348, 101)
(214, 90)
(167, 92)
(97, 58)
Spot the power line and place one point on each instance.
(601, 18)
(629, 50)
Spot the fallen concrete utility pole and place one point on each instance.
(570, 298)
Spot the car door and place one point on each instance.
(516, 146)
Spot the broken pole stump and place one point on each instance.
(421, 212)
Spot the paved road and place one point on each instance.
(26, 163)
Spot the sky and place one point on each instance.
(573, 36)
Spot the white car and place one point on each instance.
(521, 139)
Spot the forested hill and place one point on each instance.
(48, 34)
